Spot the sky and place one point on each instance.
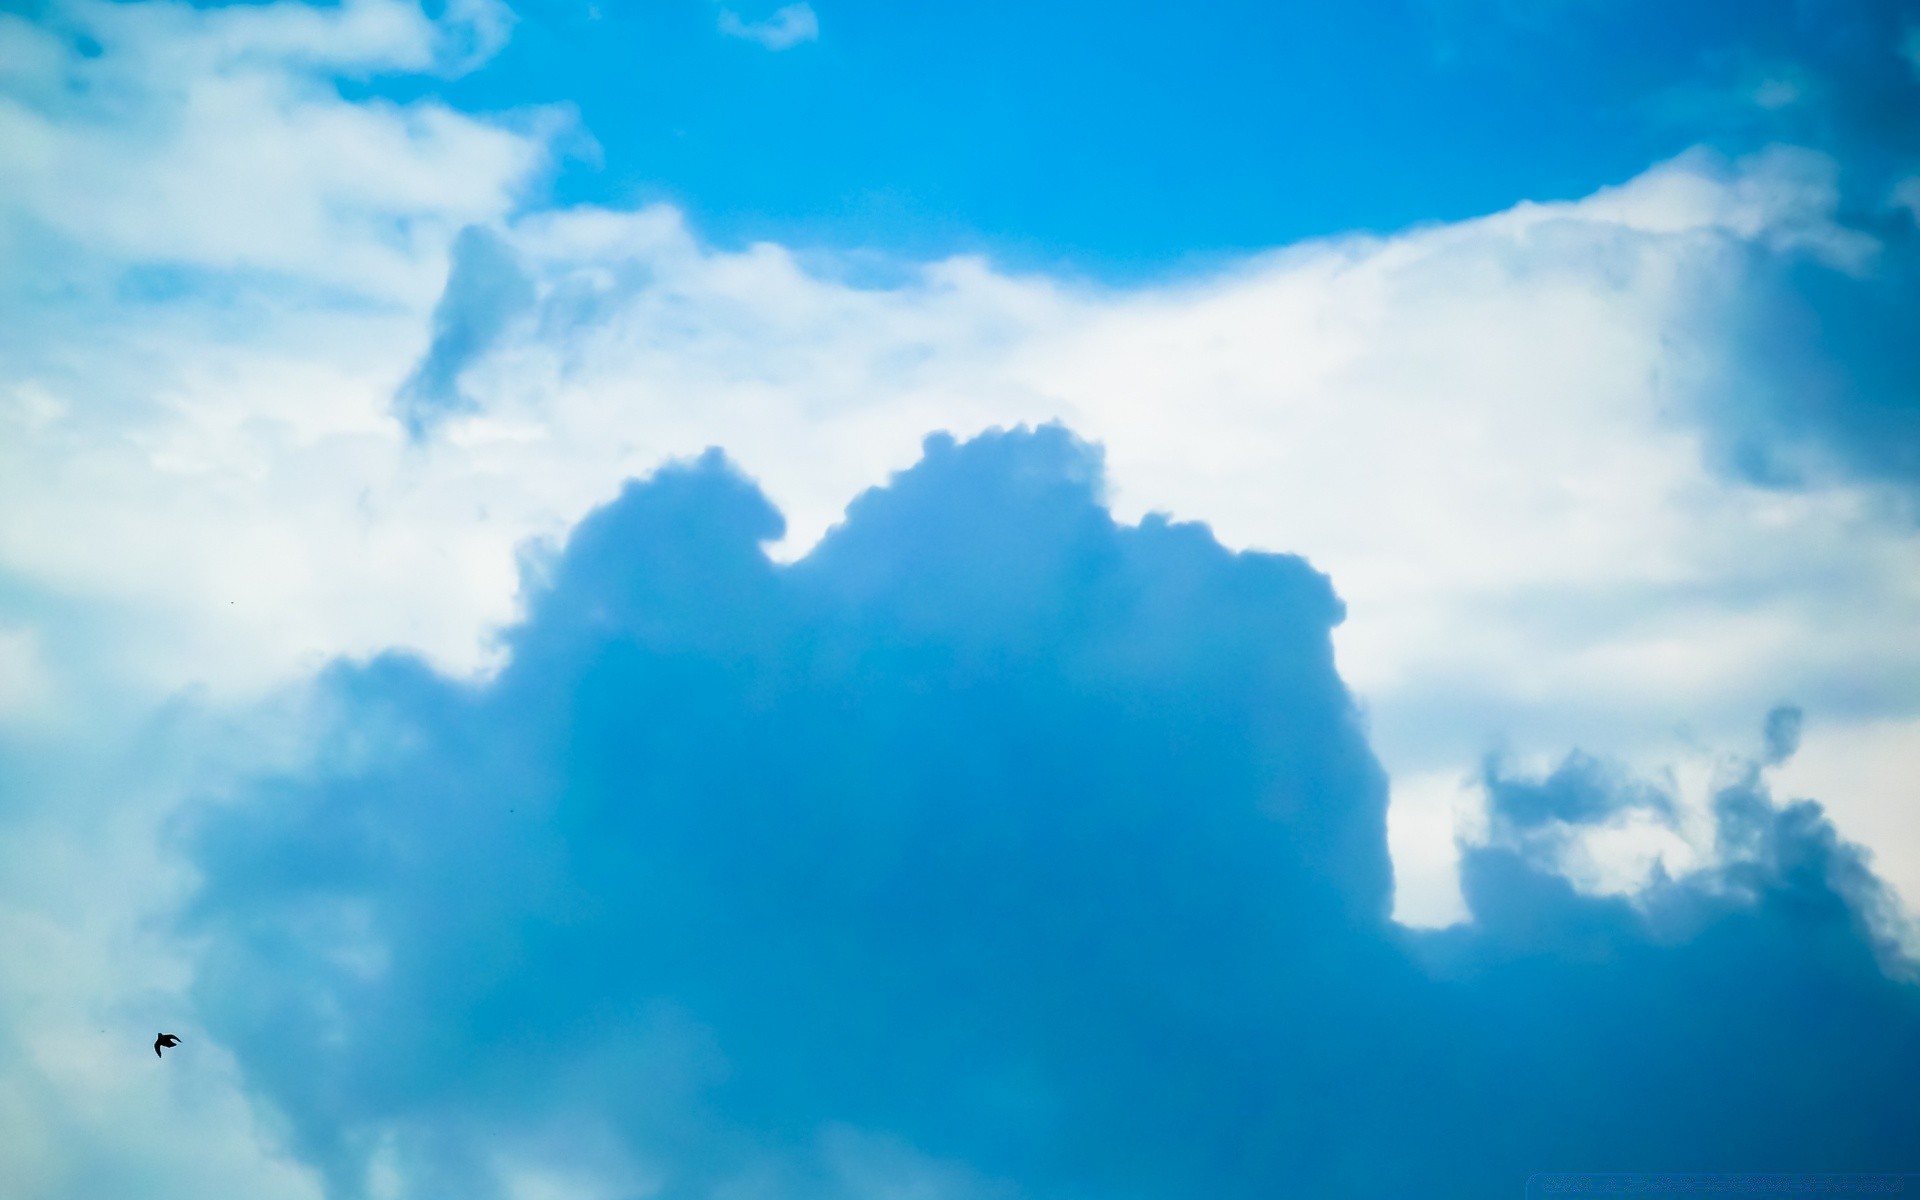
(838, 601)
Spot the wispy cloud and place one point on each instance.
(786, 28)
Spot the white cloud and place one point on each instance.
(89, 978)
(216, 140)
(1864, 772)
(787, 27)
(303, 234)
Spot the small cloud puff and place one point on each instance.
(486, 289)
(786, 28)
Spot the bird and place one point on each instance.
(167, 1040)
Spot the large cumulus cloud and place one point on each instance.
(993, 847)
(201, 450)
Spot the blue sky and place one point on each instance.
(841, 601)
(1124, 139)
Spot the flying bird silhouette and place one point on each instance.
(167, 1040)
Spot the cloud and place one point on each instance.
(991, 848)
(1506, 438)
(485, 290)
(216, 140)
(1830, 382)
(1535, 452)
(1375, 404)
(1783, 733)
(91, 972)
(788, 27)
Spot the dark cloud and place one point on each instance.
(993, 847)
(1580, 791)
(486, 289)
(1828, 358)
(1824, 375)
(1782, 733)
(1828, 361)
